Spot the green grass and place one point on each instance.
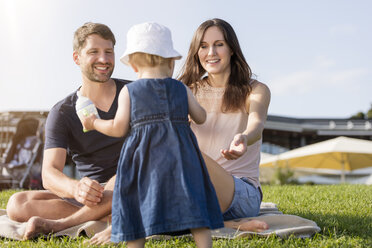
(343, 212)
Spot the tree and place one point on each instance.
(369, 113)
(359, 116)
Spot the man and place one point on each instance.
(94, 154)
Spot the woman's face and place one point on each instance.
(214, 53)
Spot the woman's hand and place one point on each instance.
(237, 147)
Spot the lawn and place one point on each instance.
(343, 212)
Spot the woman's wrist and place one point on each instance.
(245, 138)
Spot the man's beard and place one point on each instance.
(98, 78)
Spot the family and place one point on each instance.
(166, 156)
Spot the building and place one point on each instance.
(285, 133)
(280, 133)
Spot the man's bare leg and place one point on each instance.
(38, 225)
(23, 205)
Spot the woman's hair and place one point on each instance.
(148, 60)
(238, 85)
(89, 28)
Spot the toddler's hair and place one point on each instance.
(148, 60)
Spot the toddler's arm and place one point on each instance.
(197, 112)
(116, 127)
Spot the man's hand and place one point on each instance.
(237, 147)
(88, 192)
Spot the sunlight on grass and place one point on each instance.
(343, 212)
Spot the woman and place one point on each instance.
(237, 108)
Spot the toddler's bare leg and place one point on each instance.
(101, 238)
(138, 243)
(202, 237)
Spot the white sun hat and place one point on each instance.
(151, 38)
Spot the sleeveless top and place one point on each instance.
(219, 130)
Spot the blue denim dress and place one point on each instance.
(162, 184)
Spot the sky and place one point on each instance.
(314, 55)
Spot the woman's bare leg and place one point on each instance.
(222, 181)
(225, 187)
(247, 225)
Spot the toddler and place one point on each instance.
(162, 185)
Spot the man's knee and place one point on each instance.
(21, 205)
(15, 207)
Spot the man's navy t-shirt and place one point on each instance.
(95, 154)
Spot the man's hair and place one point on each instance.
(89, 28)
(148, 60)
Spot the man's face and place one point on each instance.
(96, 59)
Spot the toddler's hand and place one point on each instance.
(88, 122)
(237, 147)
